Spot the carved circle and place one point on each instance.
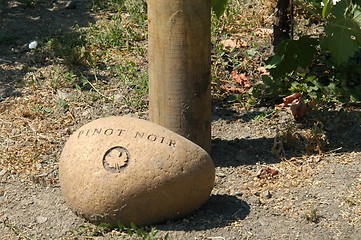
(116, 159)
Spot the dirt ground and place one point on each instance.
(276, 178)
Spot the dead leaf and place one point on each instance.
(312, 103)
(280, 106)
(232, 89)
(242, 43)
(295, 104)
(229, 43)
(271, 171)
(267, 172)
(289, 99)
(298, 108)
(233, 43)
(241, 79)
(264, 32)
(263, 71)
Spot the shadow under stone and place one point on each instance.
(219, 211)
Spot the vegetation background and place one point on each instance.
(286, 123)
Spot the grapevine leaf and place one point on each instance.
(291, 55)
(340, 9)
(356, 93)
(267, 80)
(219, 6)
(302, 51)
(274, 61)
(343, 38)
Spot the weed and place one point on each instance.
(15, 229)
(141, 232)
(85, 82)
(91, 230)
(62, 103)
(40, 109)
(69, 46)
(132, 230)
(62, 78)
(133, 82)
(124, 29)
(312, 216)
(264, 115)
(33, 81)
(318, 138)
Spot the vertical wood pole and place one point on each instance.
(179, 67)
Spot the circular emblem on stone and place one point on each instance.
(116, 159)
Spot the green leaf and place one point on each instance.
(232, 98)
(301, 51)
(356, 93)
(332, 86)
(340, 9)
(291, 55)
(219, 6)
(274, 61)
(267, 80)
(343, 38)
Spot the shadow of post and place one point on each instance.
(244, 151)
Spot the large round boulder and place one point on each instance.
(122, 170)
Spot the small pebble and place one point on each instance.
(238, 194)
(33, 44)
(222, 175)
(334, 217)
(266, 194)
(85, 113)
(70, 5)
(253, 201)
(41, 219)
(2, 172)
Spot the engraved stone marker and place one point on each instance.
(127, 170)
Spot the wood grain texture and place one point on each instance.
(179, 67)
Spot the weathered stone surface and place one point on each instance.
(133, 171)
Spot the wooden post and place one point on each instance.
(179, 67)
